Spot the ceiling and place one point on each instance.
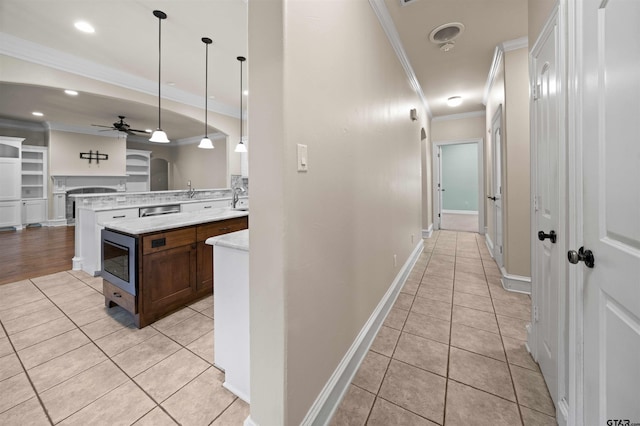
(126, 43)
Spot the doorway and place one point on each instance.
(458, 185)
(495, 197)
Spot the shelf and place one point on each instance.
(32, 161)
(29, 173)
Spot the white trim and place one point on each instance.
(488, 241)
(498, 54)
(515, 283)
(427, 233)
(435, 167)
(57, 222)
(336, 387)
(380, 9)
(493, 72)
(249, 422)
(515, 44)
(460, 116)
(469, 212)
(32, 52)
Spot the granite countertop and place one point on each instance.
(145, 225)
(158, 203)
(238, 240)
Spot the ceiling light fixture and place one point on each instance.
(206, 143)
(71, 92)
(454, 101)
(37, 113)
(159, 135)
(85, 27)
(241, 147)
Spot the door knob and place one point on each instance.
(581, 255)
(551, 235)
(491, 198)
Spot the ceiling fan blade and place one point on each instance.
(100, 125)
(140, 131)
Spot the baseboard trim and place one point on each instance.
(515, 283)
(488, 242)
(427, 233)
(460, 211)
(336, 387)
(57, 222)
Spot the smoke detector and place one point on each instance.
(445, 34)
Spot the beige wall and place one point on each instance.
(511, 90)
(458, 129)
(518, 177)
(323, 242)
(538, 13)
(65, 149)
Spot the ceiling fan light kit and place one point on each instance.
(206, 143)
(241, 147)
(159, 135)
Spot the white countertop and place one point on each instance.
(157, 203)
(238, 240)
(144, 225)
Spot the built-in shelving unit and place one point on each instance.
(34, 184)
(10, 154)
(138, 170)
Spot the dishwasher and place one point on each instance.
(159, 210)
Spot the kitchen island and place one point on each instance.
(231, 310)
(154, 265)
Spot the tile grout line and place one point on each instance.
(446, 383)
(513, 385)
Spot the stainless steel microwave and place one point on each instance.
(119, 260)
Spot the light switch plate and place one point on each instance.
(303, 159)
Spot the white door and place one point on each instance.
(547, 281)
(610, 127)
(439, 188)
(496, 197)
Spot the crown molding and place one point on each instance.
(13, 123)
(498, 54)
(381, 11)
(85, 130)
(460, 116)
(35, 53)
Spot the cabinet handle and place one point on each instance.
(119, 217)
(225, 229)
(207, 207)
(117, 295)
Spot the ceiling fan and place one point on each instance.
(121, 126)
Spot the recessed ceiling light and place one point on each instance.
(211, 97)
(71, 92)
(148, 130)
(246, 92)
(454, 101)
(37, 113)
(171, 83)
(85, 27)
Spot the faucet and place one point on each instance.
(191, 191)
(236, 193)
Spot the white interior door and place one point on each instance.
(496, 197)
(547, 280)
(610, 45)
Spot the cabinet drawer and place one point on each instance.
(222, 227)
(167, 240)
(117, 295)
(111, 215)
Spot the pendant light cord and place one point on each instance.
(159, 68)
(206, 84)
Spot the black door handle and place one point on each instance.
(491, 198)
(551, 235)
(583, 255)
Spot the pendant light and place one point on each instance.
(206, 143)
(241, 147)
(159, 135)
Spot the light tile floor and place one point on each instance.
(451, 351)
(66, 359)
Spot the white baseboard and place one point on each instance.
(336, 387)
(515, 283)
(460, 211)
(57, 222)
(427, 233)
(488, 242)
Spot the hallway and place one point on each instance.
(452, 350)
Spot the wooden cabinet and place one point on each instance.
(205, 252)
(174, 268)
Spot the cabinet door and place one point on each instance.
(205, 268)
(34, 211)
(9, 213)
(169, 279)
(10, 178)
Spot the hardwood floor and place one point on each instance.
(33, 252)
